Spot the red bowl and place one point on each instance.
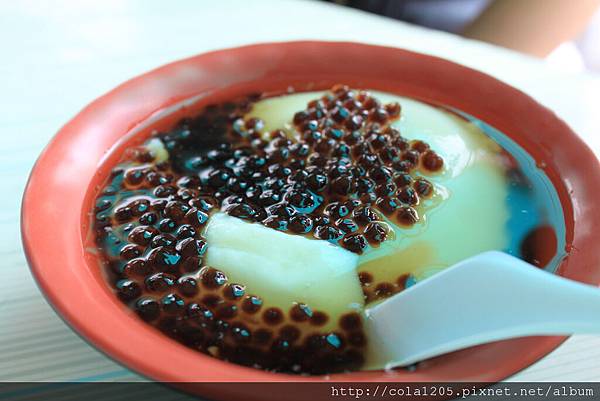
(67, 177)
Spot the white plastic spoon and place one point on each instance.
(489, 297)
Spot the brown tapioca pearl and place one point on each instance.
(342, 186)
(188, 181)
(365, 278)
(300, 149)
(356, 243)
(352, 138)
(351, 321)
(187, 286)
(123, 214)
(324, 145)
(321, 220)
(262, 336)
(148, 219)
(379, 115)
(387, 189)
(109, 190)
(155, 178)
(355, 122)
(163, 240)
(347, 225)
(289, 333)
(269, 197)
(212, 301)
(384, 290)
(419, 146)
(167, 225)
(254, 123)
(368, 160)
(310, 125)
(176, 210)
(401, 281)
(316, 159)
(432, 161)
(142, 235)
(131, 251)
(185, 231)
(380, 174)
(363, 215)
(251, 304)
(164, 191)
(314, 342)
(411, 155)
(337, 210)
(300, 117)
(164, 257)
(234, 291)
(423, 187)
(226, 311)
(212, 278)
(128, 290)
(407, 216)
(300, 200)
(191, 247)
(403, 166)
(300, 224)
(328, 233)
(409, 196)
(387, 204)
(272, 316)
(160, 282)
(191, 264)
(199, 314)
(300, 312)
(282, 210)
(279, 223)
(359, 149)
(318, 318)
(137, 268)
(356, 339)
(134, 176)
(196, 218)
(241, 333)
(158, 205)
(148, 309)
(364, 185)
(402, 180)
(340, 114)
(102, 205)
(280, 346)
(377, 232)
(334, 341)
(393, 109)
(172, 303)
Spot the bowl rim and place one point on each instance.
(88, 313)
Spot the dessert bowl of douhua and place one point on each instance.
(232, 216)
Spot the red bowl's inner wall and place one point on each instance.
(76, 163)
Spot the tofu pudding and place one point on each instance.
(258, 231)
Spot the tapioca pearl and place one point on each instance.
(191, 247)
(387, 204)
(172, 303)
(167, 225)
(368, 160)
(351, 321)
(279, 223)
(378, 141)
(314, 342)
(402, 180)
(355, 122)
(328, 233)
(123, 214)
(142, 235)
(131, 251)
(272, 316)
(148, 219)
(341, 150)
(423, 187)
(232, 200)
(148, 309)
(164, 191)
(226, 311)
(300, 149)
(251, 304)
(319, 318)
(155, 178)
(419, 146)
(402, 281)
(363, 215)
(389, 155)
(217, 178)
(352, 138)
(102, 205)
(365, 278)
(379, 115)
(377, 232)
(343, 186)
(347, 225)
(335, 341)
(361, 148)
(128, 290)
(189, 182)
(137, 268)
(316, 159)
(279, 171)
(163, 240)
(241, 333)
(431, 161)
(212, 278)
(411, 156)
(158, 205)
(191, 264)
(289, 333)
(242, 211)
(234, 291)
(408, 196)
(407, 216)
(386, 189)
(134, 176)
(384, 290)
(404, 166)
(238, 185)
(164, 258)
(393, 109)
(200, 314)
(317, 181)
(356, 243)
(300, 224)
(282, 210)
(187, 286)
(300, 312)
(160, 282)
(176, 210)
(185, 231)
(197, 218)
(109, 190)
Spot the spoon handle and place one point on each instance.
(490, 297)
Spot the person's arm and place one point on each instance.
(535, 27)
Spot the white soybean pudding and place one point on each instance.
(467, 215)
